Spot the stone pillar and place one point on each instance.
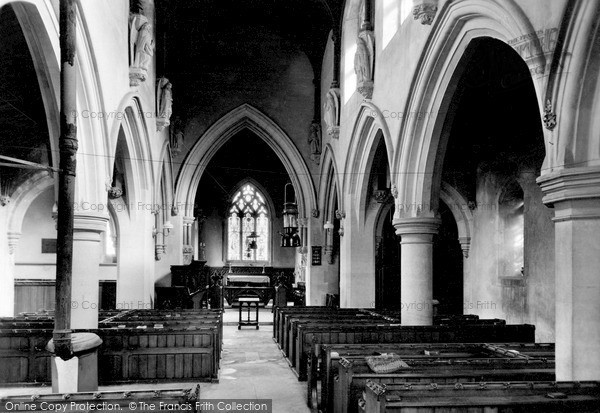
(87, 254)
(80, 373)
(575, 196)
(416, 269)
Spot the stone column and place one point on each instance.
(416, 268)
(575, 196)
(87, 254)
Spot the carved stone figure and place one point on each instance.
(164, 103)
(331, 115)
(141, 48)
(362, 61)
(314, 140)
(177, 136)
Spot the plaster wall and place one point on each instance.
(37, 224)
(491, 290)
(277, 80)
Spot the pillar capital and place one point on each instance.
(188, 220)
(573, 192)
(89, 226)
(413, 229)
(13, 240)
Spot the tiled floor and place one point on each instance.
(252, 367)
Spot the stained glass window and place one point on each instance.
(247, 214)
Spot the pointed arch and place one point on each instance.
(574, 91)
(459, 207)
(93, 155)
(329, 185)
(369, 127)
(244, 116)
(24, 196)
(144, 173)
(433, 87)
(40, 29)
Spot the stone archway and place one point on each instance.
(245, 116)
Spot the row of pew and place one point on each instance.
(464, 363)
(142, 401)
(137, 346)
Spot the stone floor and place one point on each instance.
(252, 367)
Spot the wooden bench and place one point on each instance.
(324, 366)
(309, 336)
(354, 373)
(176, 400)
(482, 397)
(126, 354)
(291, 328)
(281, 316)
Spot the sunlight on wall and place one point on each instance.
(349, 74)
(405, 9)
(390, 21)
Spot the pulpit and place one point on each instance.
(189, 287)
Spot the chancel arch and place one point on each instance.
(246, 117)
(236, 196)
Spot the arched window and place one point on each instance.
(248, 213)
(110, 241)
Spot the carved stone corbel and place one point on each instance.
(13, 241)
(549, 116)
(465, 245)
(425, 11)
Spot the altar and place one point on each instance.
(247, 285)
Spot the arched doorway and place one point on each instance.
(447, 265)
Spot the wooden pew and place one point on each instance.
(282, 316)
(126, 354)
(354, 373)
(480, 397)
(176, 400)
(291, 326)
(324, 367)
(310, 335)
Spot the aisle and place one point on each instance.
(253, 367)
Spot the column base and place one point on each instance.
(79, 373)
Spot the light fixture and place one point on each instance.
(290, 237)
(252, 245)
